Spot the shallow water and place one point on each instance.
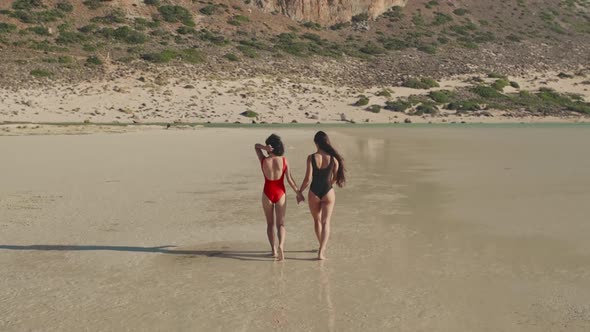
(438, 229)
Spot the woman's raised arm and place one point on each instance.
(259, 147)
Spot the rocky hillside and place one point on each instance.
(328, 12)
(336, 41)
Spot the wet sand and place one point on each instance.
(439, 229)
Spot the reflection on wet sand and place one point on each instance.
(326, 294)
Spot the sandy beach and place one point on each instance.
(439, 229)
(148, 98)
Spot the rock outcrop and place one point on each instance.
(327, 12)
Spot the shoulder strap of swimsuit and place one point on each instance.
(313, 163)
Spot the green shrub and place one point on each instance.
(248, 51)
(254, 43)
(65, 7)
(89, 48)
(430, 49)
(187, 55)
(128, 35)
(231, 57)
(431, 3)
(384, 93)
(152, 2)
(514, 85)
(374, 108)
(39, 30)
(241, 18)
(514, 38)
(394, 14)
(442, 96)
(339, 25)
(500, 84)
(88, 28)
(426, 108)
(7, 27)
(184, 30)
(418, 19)
(208, 10)
(45, 46)
(486, 91)
(175, 14)
(116, 16)
(397, 105)
(65, 59)
(313, 37)
(394, 43)
(211, 37)
(441, 18)
(92, 4)
(464, 105)
(371, 49)
(484, 37)
(191, 55)
(67, 37)
(27, 4)
(41, 73)
(460, 11)
(93, 61)
(160, 57)
(497, 75)
(360, 17)
(312, 25)
(363, 101)
(422, 83)
(249, 114)
(45, 16)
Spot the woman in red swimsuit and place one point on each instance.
(274, 203)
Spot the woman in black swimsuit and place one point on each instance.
(324, 168)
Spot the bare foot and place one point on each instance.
(274, 252)
(321, 255)
(281, 255)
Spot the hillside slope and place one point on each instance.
(82, 40)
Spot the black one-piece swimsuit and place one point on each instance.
(321, 183)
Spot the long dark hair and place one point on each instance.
(323, 143)
(277, 144)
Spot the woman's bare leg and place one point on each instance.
(328, 203)
(280, 211)
(268, 208)
(315, 208)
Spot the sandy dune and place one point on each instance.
(151, 99)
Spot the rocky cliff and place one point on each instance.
(327, 12)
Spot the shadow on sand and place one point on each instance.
(244, 255)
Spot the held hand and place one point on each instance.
(268, 148)
(300, 197)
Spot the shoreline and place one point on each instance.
(76, 128)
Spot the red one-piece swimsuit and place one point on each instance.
(274, 189)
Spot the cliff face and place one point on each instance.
(327, 12)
